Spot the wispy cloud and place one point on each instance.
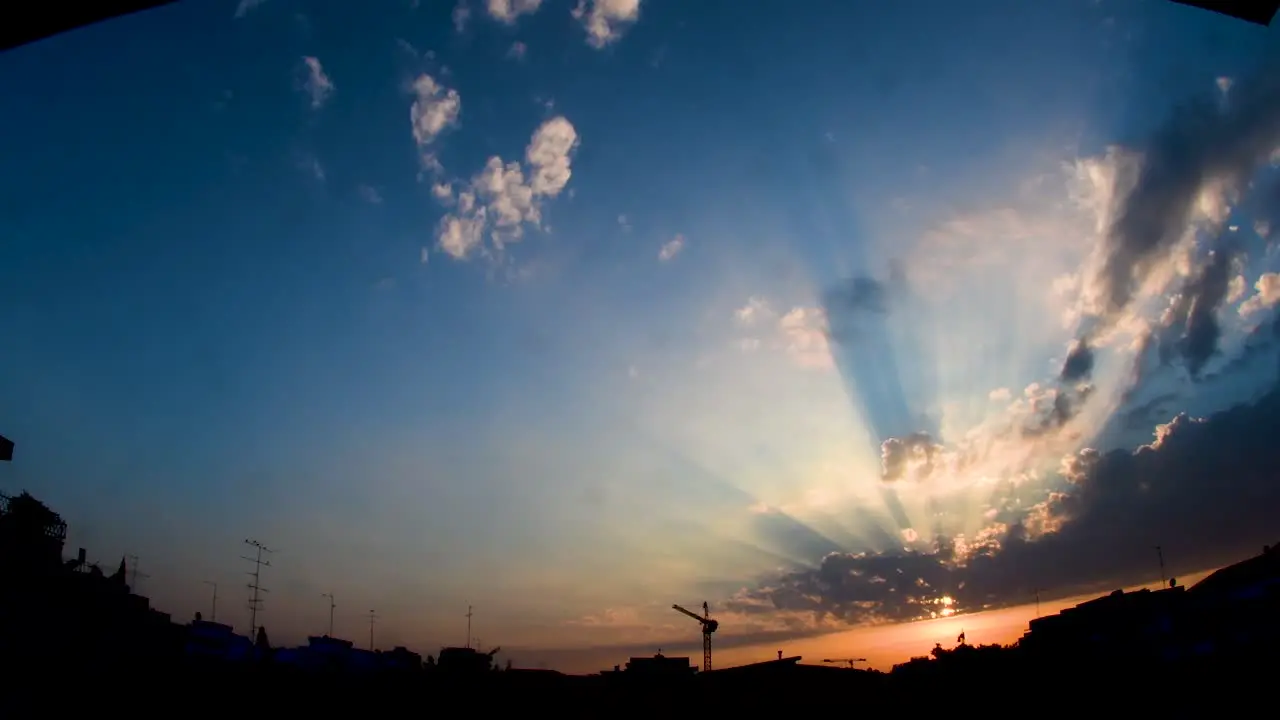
(370, 194)
(605, 20)
(517, 50)
(316, 83)
(245, 6)
(671, 248)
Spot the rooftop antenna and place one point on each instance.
(1160, 556)
(1037, 592)
(332, 605)
(373, 617)
(468, 626)
(134, 574)
(255, 601)
(213, 609)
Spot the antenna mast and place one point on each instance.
(332, 605)
(373, 617)
(213, 614)
(134, 574)
(255, 601)
(468, 626)
(1160, 556)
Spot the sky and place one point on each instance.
(833, 315)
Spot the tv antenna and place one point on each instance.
(332, 605)
(373, 617)
(468, 626)
(213, 609)
(134, 574)
(255, 600)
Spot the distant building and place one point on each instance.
(1140, 622)
(465, 659)
(660, 665)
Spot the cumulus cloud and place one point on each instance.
(800, 332)
(495, 206)
(1267, 295)
(605, 20)
(316, 83)
(1063, 504)
(1203, 489)
(507, 11)
(1181, 182)
(671, 248)
(435, 108)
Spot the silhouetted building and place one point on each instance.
(1135, 623)
(465, 659)
(661, 665)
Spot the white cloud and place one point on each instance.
(317, 83)
(1268, 295)
(548, 155)
(804, 331)
(671, 248)
(517, 50)
(504, 197)
(1224, 84)
(434, 109)
(1000, 395)
(604, 20)
(246, 5)
(507, 11)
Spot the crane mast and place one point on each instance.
(708, 626)
(845, 661)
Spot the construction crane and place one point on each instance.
(845, 661)
(708, 626)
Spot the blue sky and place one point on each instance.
(574, 311)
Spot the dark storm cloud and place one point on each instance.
(1205, 490)
(1203, 141)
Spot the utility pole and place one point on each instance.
(373, 617)
(213, 609)
(1160, 556)
(134, 574)
(468, 626)
(331, 607)
(1037, 591)
(255, 602)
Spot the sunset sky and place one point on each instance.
(835, 315)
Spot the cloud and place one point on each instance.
(1267, 295)
(605, 20)
(800, 333)
(517, 50)
(1048, 487)
(370, 194)
(1202, 489)
(245, 6)
(1176, 186)
(461, 14)
(504, 197)
(507, 11)
(316, 83)
(435, 108)
(671, 248)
